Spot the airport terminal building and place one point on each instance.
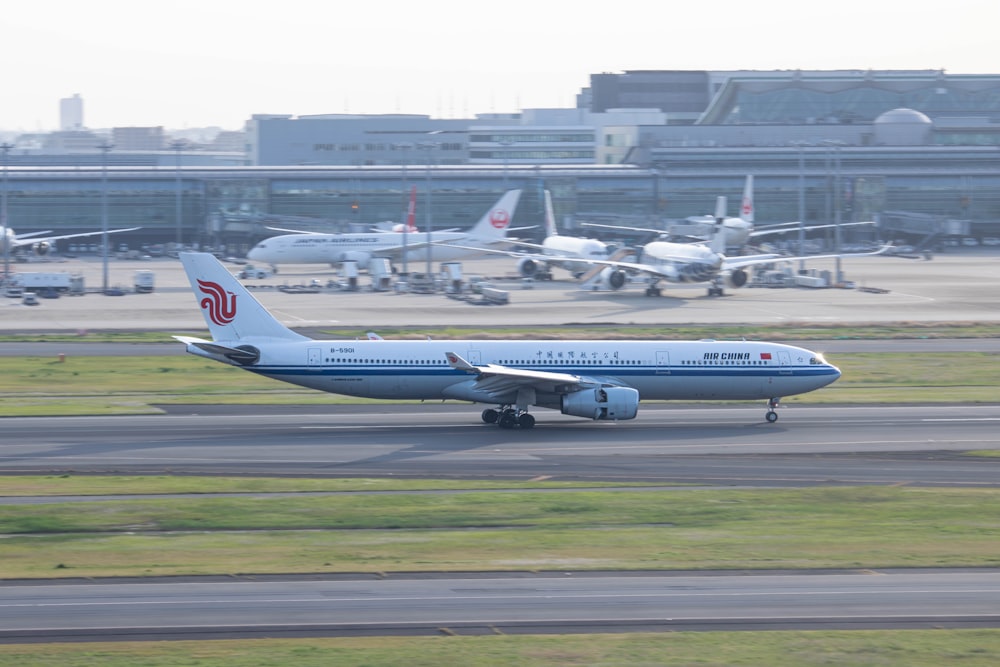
(917, 150)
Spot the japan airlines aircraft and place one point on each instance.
(690, 263)
(41, 245)
(337, 248)
(586, 378)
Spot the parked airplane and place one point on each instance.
(409, 225)
(690, 263)
(41, 245)
(591, 379)
(738, 230)
(337, 248)
(559, 251)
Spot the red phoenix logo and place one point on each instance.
(500, 218)
(747, 207)
(219, 311)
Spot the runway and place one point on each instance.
(497, 604)
(924, 445)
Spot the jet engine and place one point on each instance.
(528, 267)
(735, 278)
(41, 248)
(612, 278)
(602, 403)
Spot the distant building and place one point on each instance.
(71, 113)
(137, 138)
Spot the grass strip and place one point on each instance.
(862, 527)
(912, 648)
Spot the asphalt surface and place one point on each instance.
(562, 602)
(951, 287)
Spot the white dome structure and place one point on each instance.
(903, 127)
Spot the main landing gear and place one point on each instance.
(772, 405)
(508, 417)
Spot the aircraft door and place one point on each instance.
(785, 362)
(314, 357)
(475, 357)
(662, 362)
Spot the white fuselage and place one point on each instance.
(659, 370)
(565, 251)
(337, 248)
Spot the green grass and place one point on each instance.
(867, 527)
(32, 386)
(910, 648)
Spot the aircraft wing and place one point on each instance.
(788, 227)
(649, 230)
(28, 239)
(499, 380)
(753, 260)
(290, 231)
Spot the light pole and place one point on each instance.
(405, 147)
(8, 235)
(428, 146)
(177, 145)
(506, 143)
(836, 145)
(802, 203)
(105, 148)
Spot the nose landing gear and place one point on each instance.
(772, 405)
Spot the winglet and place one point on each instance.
(458, 363)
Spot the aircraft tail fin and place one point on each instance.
(550, 216)
(718, 242)
(494, 224)
(746, 207)
(411, 211)
(230, 311)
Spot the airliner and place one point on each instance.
(738, 230)
(564, 252)
(691, 263)
(592, 379)
(334, 249)
(41, 245)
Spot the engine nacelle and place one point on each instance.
(602, 403)
(612, 278)
(528, 267)
(735, 278)
(41, 248)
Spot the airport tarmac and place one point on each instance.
(957, 286)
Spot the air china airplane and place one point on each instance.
(591, 379)
(337, 248)
(41, 245)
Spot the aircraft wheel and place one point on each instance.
(507, 420)
(490, 416)
(772, 416)
(526, 421)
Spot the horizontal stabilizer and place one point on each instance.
(244, 355)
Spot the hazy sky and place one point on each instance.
(192, 63)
